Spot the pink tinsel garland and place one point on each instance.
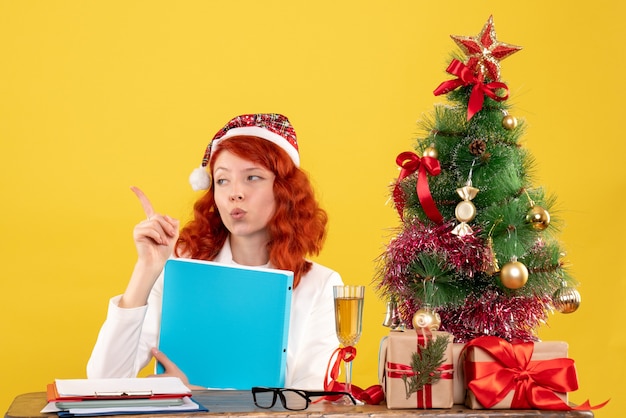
(487, 312)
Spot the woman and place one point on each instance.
(260, 210)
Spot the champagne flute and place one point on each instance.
(348, 323)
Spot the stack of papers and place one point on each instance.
(91, 397)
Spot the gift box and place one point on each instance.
(458, 381)
(396, 360)
(502, 375)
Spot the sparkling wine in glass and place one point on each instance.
(348, 321)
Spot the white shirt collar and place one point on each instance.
(225, 256)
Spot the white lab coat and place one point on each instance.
(127, 335)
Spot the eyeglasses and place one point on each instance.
(291, 399)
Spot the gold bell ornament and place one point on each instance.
(492, 266)
(393, 319)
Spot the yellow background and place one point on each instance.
(96, 96)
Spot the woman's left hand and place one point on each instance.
(172, 369)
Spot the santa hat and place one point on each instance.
(273, 127)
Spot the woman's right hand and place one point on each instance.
(156, 236)
(155, 239)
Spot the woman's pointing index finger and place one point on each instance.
(145, 202)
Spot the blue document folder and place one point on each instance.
(226, 326)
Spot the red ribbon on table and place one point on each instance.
(467, 77)
(534, 382)
(372, 395)
(409, 162)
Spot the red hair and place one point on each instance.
(297, 229)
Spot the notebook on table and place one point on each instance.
(226, 326)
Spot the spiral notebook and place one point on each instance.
(226, 326)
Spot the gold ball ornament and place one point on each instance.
(538, 217)
(514, 275)
(426, 318)
(566, 299)
(509, 122)
(430, 152)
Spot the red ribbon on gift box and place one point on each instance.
(424, 395)
(534, 382)
(466, 77)
(398, 370)
(409, 162)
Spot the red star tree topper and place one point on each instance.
(484, 51)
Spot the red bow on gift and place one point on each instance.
(372, 395)
(534, 382)
(466, 77)
(410, 163)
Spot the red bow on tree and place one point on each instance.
(466, 77)
(410, 163)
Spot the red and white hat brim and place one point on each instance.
(260, 133)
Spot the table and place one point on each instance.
(236, 404)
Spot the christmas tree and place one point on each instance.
(477, 252)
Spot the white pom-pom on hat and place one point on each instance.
(272, 127)
(200, 179)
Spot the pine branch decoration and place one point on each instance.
(425, 364)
